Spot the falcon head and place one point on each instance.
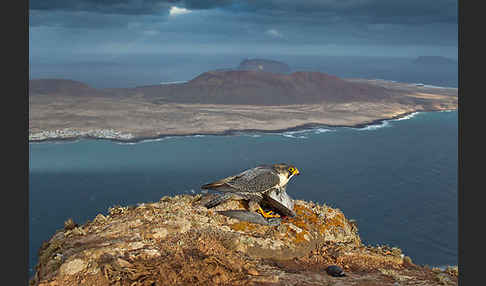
(286, 169)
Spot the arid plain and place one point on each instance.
(224, 102)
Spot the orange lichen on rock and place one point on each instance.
(309, 220)
(176, 241)
(336, 221)
(301, 237)
(306, 218)
(243, 226)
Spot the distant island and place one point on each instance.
(264, 65)
(222, 102)
(434, 60)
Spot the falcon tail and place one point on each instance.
(251, 217)
(219, 185)
(211, 185)
(218, 200)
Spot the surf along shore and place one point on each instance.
(69, 135)
(133, 115)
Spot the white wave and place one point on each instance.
(322, 130)
(436, 86)
(297, 131)
(126, 143)
(383, 124)
(293, 134)
(302, 134)
(430, 85)
(143, 141)
(290, 135)
(160, 139)
(153, 140)
(172, 82)
(409, 116)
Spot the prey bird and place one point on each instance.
(252, 185)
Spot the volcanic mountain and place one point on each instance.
(248, 100)
(264, 88)
(58, 86)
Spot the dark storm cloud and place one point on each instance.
(369, 11)
(377, 27)
(124, 6)
(79, 19)
(373, 11)
(103, 6)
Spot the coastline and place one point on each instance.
(232, 132)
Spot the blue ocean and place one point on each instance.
(397, 179)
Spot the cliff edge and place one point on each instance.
(177, 241)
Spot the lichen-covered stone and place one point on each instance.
(72, 267)
(177, 241)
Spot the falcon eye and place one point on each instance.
(291, 169)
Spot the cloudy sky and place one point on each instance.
(61, 29)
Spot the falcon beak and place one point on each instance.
(296, 172)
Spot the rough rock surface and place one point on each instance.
(177, 241)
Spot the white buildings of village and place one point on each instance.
(69, 133)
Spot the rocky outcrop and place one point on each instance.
(177, 241)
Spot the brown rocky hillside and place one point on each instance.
(263, 88)
(176, 241)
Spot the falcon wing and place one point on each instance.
(258, 179)
(221, 183)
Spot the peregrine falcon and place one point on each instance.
(252, 185)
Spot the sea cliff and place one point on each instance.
(177, 241)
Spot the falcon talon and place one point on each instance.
(269, 214)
